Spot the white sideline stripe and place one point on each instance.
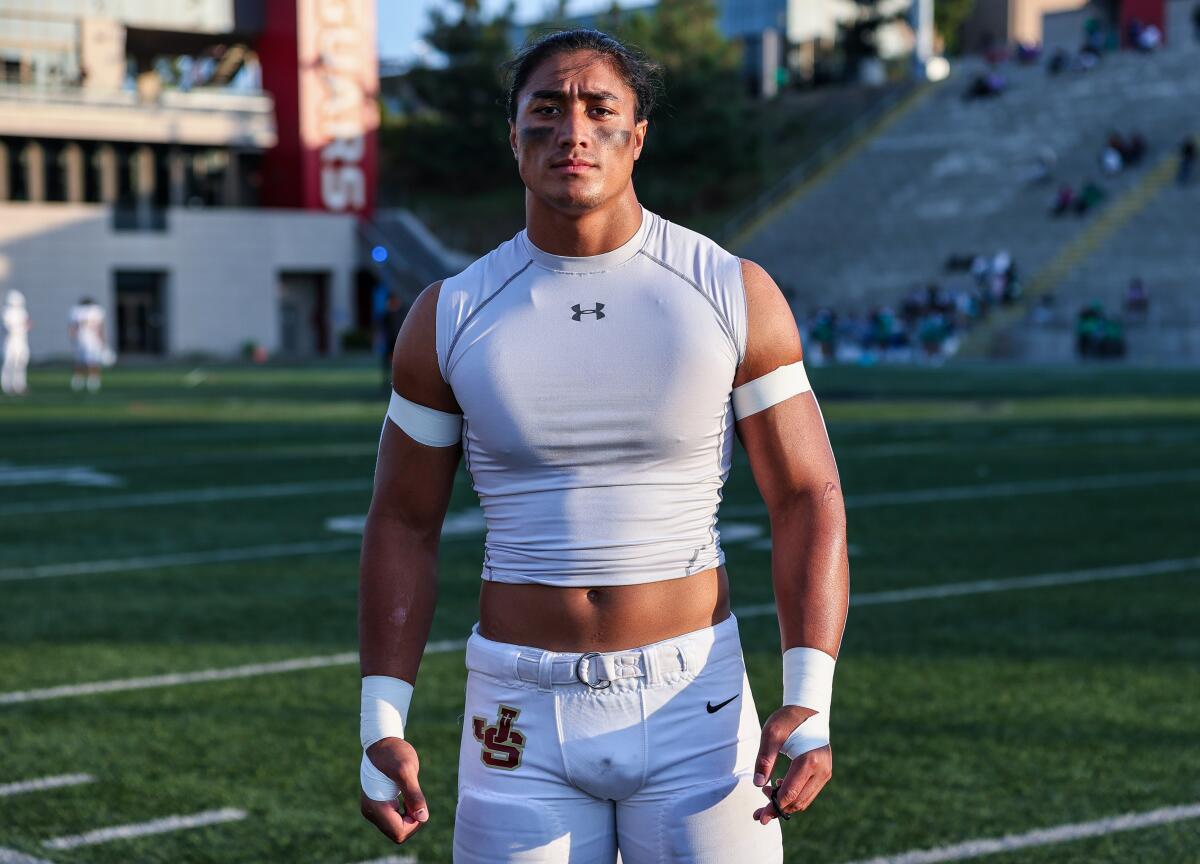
(1015, 583)
(12, 856)
(1041, 837)
(876, 598)
(180, 496)
(41, 783)
(175, 559)
(175, 679)
(142, 829)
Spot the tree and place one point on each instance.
(457, 143)
(698, 154)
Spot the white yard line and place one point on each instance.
(175, 559)
(12, 856)
(1041, 837)
(877, 598)
(143, 829)
(868, 499)
(999, 490)
(180, 496)
(175, 679)
(1015, 583)
(41, 783)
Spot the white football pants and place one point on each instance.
(658, 763)
(12, 374)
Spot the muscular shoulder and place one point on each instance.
(711, 269)
(773, 339)
(415, 372)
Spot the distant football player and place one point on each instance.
(16, 344)
(87, 335)
(593, 371)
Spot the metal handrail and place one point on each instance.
(813, 163)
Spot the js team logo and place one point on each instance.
(503, 743)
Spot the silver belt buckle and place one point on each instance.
(601, 683)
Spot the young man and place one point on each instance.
(87, 334)
(16, 344)
(592, 369)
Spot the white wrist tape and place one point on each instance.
(384, 713)
(377, 785)
(423, 424)
(808, 682)
(770, 389)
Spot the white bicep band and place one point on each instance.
(770, 389)
(808, 682)
(384, 714)
(425, 425)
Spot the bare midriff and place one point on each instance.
(604, 617)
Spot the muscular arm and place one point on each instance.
(794, 468)
(398, 569)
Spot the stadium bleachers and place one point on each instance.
(952, 177)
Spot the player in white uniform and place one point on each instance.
(87, 334)
(16, 344)
(593, 371)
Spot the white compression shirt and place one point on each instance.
(598, 428)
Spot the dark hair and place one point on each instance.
(640, 73)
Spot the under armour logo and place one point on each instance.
(579, 313)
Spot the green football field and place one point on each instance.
(1022, 654)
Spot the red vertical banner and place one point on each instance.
(339, 114)
(321, 65)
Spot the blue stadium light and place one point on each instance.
(379, 254)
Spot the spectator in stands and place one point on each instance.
(1148, 39)
(1137, 298)
(986, 86)
(1135, 149)
(1089, 198)
(1063, 200)
(1058, 62)
(1043, 311)
(1110, 160)
(1088, 329)
(1187, 157)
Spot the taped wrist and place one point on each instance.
(384, 708)
(383, 714)
(808, 682)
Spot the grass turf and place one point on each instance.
(956, 718)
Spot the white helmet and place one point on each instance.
(15, 298)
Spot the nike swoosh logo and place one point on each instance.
(713, 709)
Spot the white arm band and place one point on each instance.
(808, 682)
(770, 389)
(384, 714)
(423, 424)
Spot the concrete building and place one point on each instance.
(201, 169)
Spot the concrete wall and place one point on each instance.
(222, 268)
(1180, 35)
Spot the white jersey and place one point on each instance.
(598, 429)
(89, 319)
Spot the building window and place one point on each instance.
(141, 313)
